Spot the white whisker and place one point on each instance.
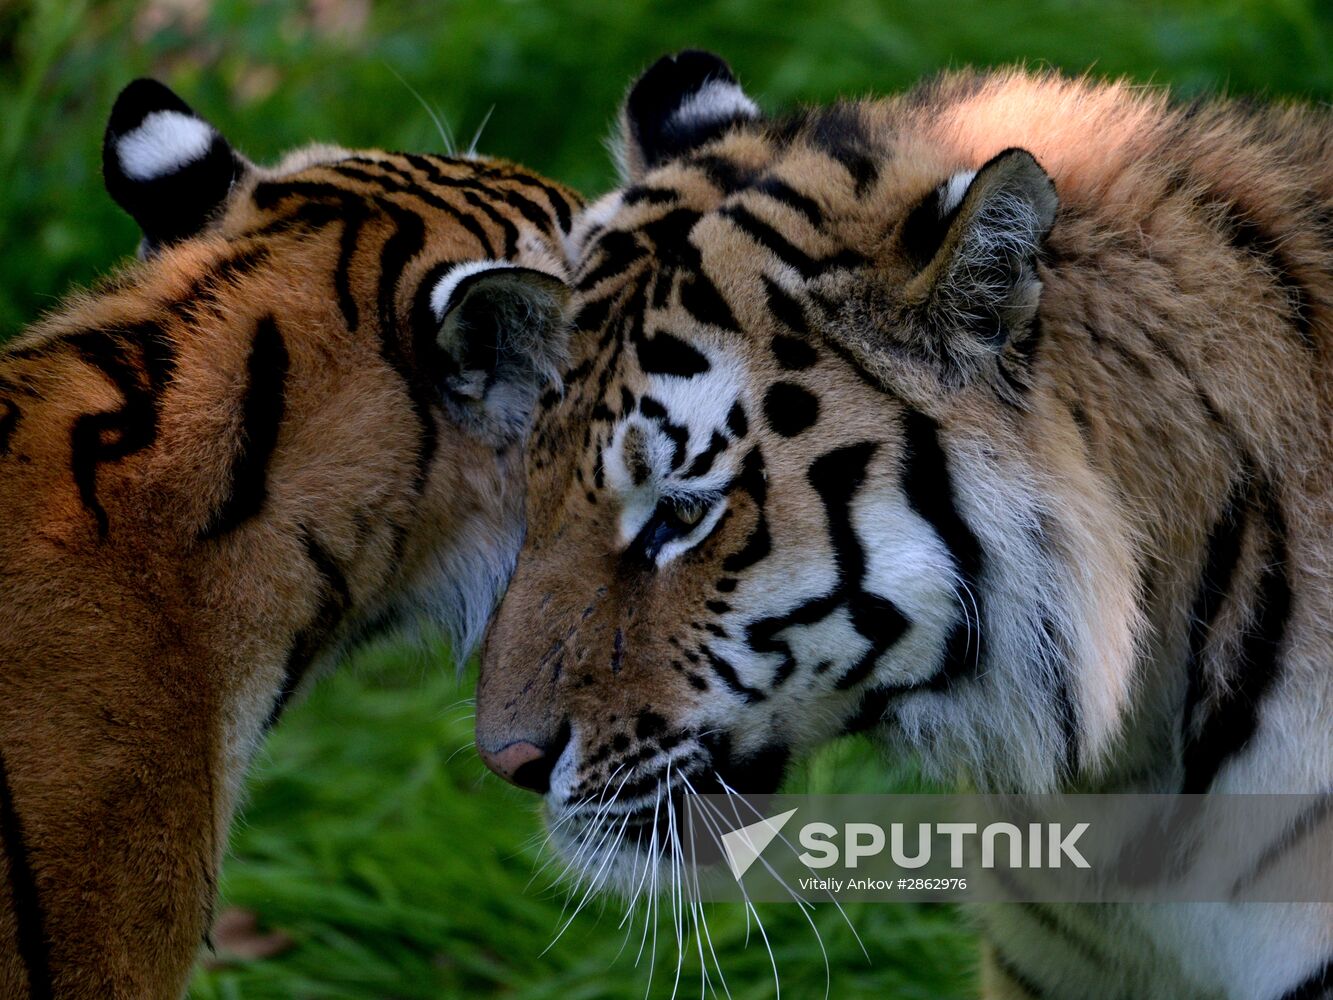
(476, 136)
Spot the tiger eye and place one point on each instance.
(690, 515)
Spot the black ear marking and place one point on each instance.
(976, 239)
(165, 165)
(678, 104)
(925, 226)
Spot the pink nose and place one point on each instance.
(520, 763)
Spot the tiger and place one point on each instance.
(295, 423)
(991, 420)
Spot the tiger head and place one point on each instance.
(793, 489)
(423, 293)
(295, 422)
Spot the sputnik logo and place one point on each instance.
(744, 846)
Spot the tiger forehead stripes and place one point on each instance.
(993, 419)
(295, 423)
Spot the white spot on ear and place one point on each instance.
(955, 189)
(716, 100)
(448, 284)
(164, 142)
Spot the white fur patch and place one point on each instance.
(448, 284)
(955, 189)
(715, 101)
(591, 221)
(164, 142)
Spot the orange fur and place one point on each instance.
(1138, 442)
(143, 657)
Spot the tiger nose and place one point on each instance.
(522, 763)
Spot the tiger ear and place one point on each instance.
(975, 240)
(499, 338)
(678, 104)
(165, 165)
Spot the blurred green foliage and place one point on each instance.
(402, 869)
(276, 74)
(371, 835)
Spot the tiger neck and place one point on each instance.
(1174, 418)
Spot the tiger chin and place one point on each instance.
(991, 419)
(297, 420)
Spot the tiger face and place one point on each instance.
(748, 532)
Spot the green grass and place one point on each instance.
(372, 835)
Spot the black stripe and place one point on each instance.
(206, 289)
(638, 194)
(1066, 709)
(334, 602)
(1018, 978)
(29, 919)
(666, 354)
(618, 250)
(1318, 987)
(559, 203)
(759, 543)
(786, 251)
(702, 300)
(397, 253)
(1088, 951)
(928, 483)
(837, 476)
(1221, 554)
(787, 309)
(529, 209)
(509, 230)
(1235, 712)
(557, 200)
(270, 193)
(722, 173)
(840, 132)
(787, 195)
(383, 180)
(354, 218)
(261, 419)
(388, 166)
(757, 546)
(310, 215)
(737, 423)
(592, 315)
(670, 234)
(9, 421)
(703, 462)
(436, 178)
(724, 670)
(1246, 235)
(1306, 823)
(790, 409)
(112, 435)
(462, 218)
